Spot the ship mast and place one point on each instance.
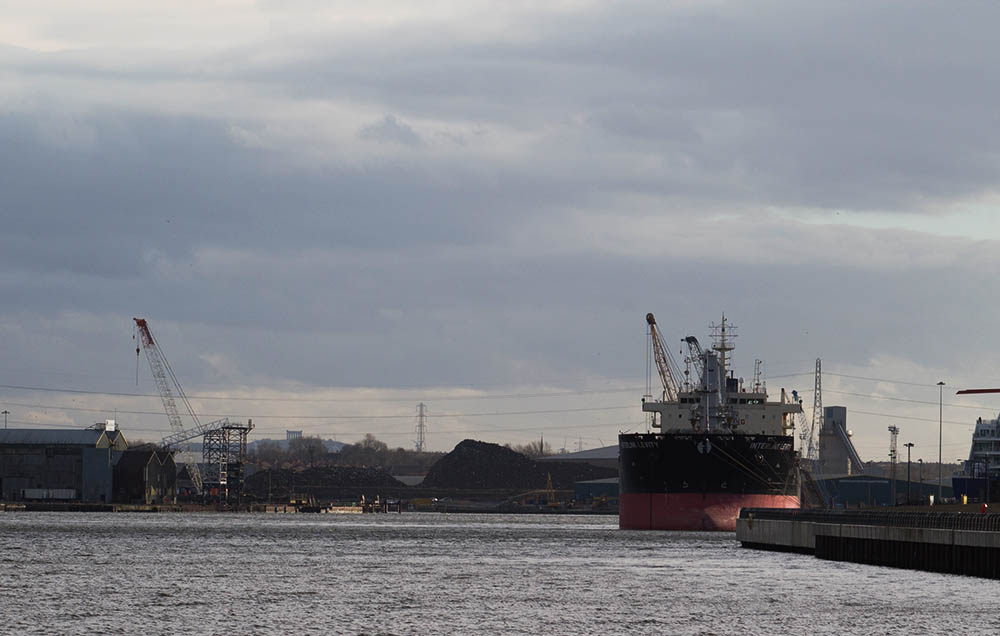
(722, 344)
(723, 334)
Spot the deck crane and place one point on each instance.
(168, 386)
(696, 356)
(664, 362)
(805, 431)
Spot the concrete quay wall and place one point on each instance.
(941, 542)
(775, 534)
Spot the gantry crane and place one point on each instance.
(664, 362)
(170, 389)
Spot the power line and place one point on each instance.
(897, 399)
(390, 433)
(330, 417)
(861, 377)
(635, 390)
(542, 394)
(913, 419)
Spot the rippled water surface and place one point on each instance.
(437, 574)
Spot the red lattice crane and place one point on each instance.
(170, 390)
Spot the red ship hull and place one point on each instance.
(692, 511)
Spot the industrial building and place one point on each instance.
(592, 491)
(837, 455)
(606, 456)
(868, 490)
(596, 489)
(60, 464)
(146, 477)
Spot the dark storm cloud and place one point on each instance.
(173, 183)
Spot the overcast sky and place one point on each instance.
(349, 208)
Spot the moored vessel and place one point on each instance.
(715, 444)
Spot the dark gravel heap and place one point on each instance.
(483, 466)
(320, 481)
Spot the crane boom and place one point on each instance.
(696, 356)
(167, 384)
(664, 363)
(197, 431)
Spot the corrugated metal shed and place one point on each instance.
(595, 488)
(145, 476)
(874, 490)
(64, 437)
(606, 457)
(604, 453)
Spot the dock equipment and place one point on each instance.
(224, 442)
(170, 390)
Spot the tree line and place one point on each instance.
(309, 451)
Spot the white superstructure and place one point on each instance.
(984, 456)
(716, 400)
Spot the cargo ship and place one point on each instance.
(714, 444)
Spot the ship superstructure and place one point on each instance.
(984, 455)
(715, 400)
(716, 444)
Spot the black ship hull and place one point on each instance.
(699, 481)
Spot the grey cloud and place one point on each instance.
(858, 106)
(425, 266)
(389, 129)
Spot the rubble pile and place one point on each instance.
(482, 466)
(319, 480)
(477, 465)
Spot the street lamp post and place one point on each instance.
(940, 421)
(908, 445)
(5, 414)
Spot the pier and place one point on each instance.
(952, 542)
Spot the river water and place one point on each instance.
(66, 573)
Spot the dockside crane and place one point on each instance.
(170, 390)
(664, 362)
